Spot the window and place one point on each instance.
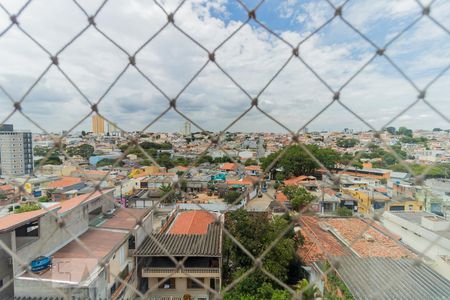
(132, 243)
(191, 284)
(30, 229)
(167, 284)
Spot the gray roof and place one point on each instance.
(399, 175)
(209, 244)
(416, 218)
(387, 278)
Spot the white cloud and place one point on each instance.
(251, 57)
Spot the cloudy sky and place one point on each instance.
(251, 57)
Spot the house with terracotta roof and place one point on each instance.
(308, 182)
(193, 237)
(253, 170)
(366, 250)
(64, 187)
(280, 204)
(229, 167)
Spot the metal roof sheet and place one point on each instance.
(208, 244)
(387, 278)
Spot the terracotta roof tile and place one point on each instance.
(64, 182)
(192, 222)
(239, 182)
(253, 168)
(364, 238)
(281, 197)
(6, 187)
(296, 180)
(318, 244)
(229, 166)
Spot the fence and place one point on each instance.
(268, 53)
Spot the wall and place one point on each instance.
(97, 289)
(415, 205)
(105, 201)
(118, 262)
(180, 290)
(142, 233)
(52, 237)
(6, 271)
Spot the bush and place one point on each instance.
(344, 212)
(44, 198)
(231, 196)
(30, 206)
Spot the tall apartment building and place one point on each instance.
(98, 125)
(16, 151)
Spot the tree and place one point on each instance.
(106, 162)
(204, 159)
(298, 196)
(230, 197)
(256, 231)
(405, 131)
(164, 160)
(357, 164)
(85, 150)
(296, 161)
(391, 130)
(307, 293)
(2, 196)
(51, 160)
(251, 162)
(183, 184)
(437, 129)
(83, 133)
(167, 195)
(346, 143)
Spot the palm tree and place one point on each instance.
(167, 194)
(308, 293)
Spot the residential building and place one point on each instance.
(98, 125)
(195, 238)
(89, 253)
(16, 151)
(370, 200)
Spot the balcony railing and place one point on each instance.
(157, 272)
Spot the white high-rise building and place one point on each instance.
(16, 151)
(187, 128)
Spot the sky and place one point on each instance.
(300, 95)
